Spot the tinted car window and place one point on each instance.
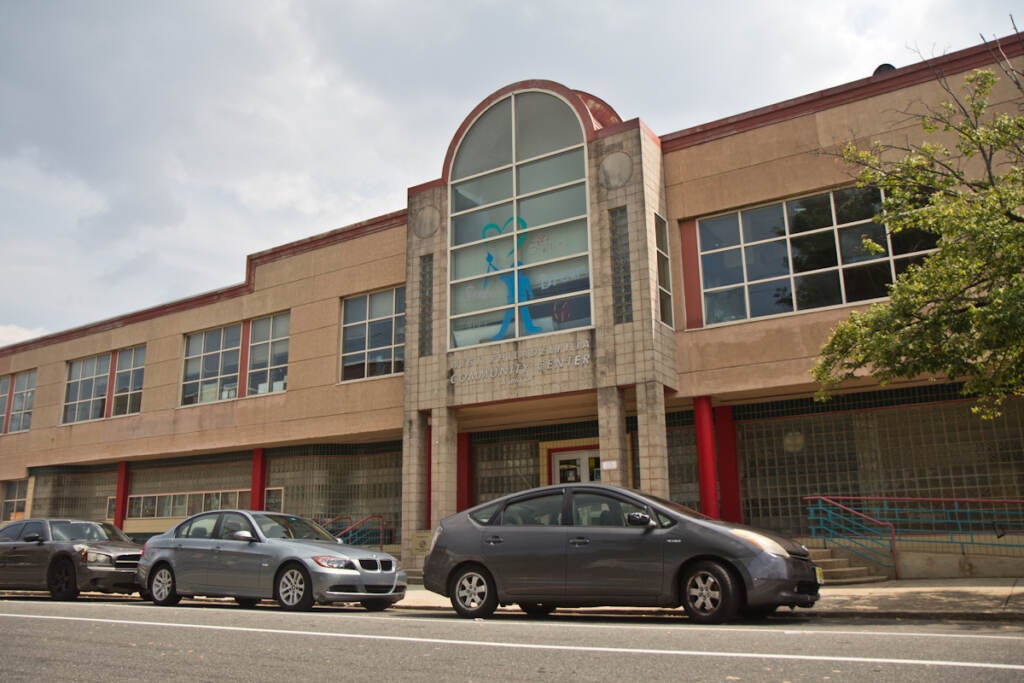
(596, 509)
(33, 528)
(11, 531)
(540, 511)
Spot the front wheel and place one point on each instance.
(710, 594)
(293, 589)
(375, 605)
(61, 580)
(473, 593)
(162, 587)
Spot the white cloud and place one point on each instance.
(12, 334)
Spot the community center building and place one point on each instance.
(573, 298)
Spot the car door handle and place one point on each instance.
(494, 540)
(580, 540)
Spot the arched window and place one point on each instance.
(518, 239)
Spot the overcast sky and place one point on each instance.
(147, 147)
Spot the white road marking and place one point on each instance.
(529, 646)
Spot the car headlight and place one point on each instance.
(761, 541)
(334, 562)
(93, 557)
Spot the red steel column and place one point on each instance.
(707, 471)
(728, 464)
(121, 499)
(257, 498)
(464, 473)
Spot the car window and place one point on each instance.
(11, 531)
(598, 509)
(61, 530)
(543, 510)
(485, 515)
(289, 526)
(33, 528)
(230, 522)
(200, 527)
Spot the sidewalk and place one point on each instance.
(932, 599)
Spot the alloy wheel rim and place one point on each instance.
(705, 593)
(162, 584)
(291, 587)
(472, 591)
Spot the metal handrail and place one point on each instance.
(359, 531)
(865, 520)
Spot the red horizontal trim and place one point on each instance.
(886, 82)
(356, 230)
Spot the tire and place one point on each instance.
(293, 589)
(162, 588)
(375, 605)
(709, 593)
(61, 580)
(536, 609)
(473, 593)
(247, 603)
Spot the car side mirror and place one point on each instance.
(243, 535)
(639, 519)
(33, 538)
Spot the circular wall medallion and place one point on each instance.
(616, 170)
(426, 221)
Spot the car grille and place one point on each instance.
(371, 565)
(126, 561)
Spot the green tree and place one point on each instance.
(959, 314)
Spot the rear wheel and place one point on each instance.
(162, 587)
(473, 593)
(710, 594)
(61, 580)
(292, 588)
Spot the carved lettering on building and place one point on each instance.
(521, 366)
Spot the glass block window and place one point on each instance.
(801, 254)
(373, 334)
(211, 365)
(664, 271)
(268, 354)
(85, 394)
(518, 232)
(15, 495)
(128, 377)
(622, 273)
(426, 305)
(22, 399)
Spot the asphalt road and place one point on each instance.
(103, 640)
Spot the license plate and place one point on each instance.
(819, 575)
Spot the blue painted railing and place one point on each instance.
(371, 530)
(871, 527)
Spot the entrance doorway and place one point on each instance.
(570, 467)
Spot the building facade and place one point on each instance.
(574, 298)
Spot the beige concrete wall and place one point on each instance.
(316, 407)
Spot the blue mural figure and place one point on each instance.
(515, 283)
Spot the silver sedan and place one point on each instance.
(251, 556)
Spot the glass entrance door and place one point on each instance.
(571, 467)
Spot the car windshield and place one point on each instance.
(287, 526)
(86, 531)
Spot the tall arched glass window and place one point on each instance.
(519, 245)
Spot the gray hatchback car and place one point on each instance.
(67, 556)
(250, 556)
(595, 545)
